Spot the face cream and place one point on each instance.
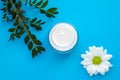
(63, 37)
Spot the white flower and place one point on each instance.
(96, 60)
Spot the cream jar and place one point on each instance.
(63, 37)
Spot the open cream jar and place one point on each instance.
(63, 37)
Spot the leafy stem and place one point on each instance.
(22, 23)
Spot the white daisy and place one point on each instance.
(96, 60)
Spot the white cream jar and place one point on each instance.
(63, 37)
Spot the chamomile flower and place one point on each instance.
(96, 60)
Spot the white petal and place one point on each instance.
(107, 63)
(86, 62)
(91, 69)
(84, 66)
(106, 57)
(96, 72)
(101, 48)
(99, 51)
(83, 55)
(86, 56)
(105, 67)
(100, 69)
(92, 49)
(89, 54)
(105, 51)
(96, 51)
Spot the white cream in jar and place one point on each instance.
(63, 37)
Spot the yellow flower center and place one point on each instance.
(96, 60)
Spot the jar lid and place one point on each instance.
(63, 37)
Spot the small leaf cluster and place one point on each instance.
(14, 13)
(33, 44)
(36, 24)
(41, 5)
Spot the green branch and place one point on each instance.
(22, 23)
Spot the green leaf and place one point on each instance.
(22, 11)
(11, 30)
(48, 14)
(34, 52)
(32, 25)
(19, 4)
(26, 39)
(26, 2)
(42, 23)
(16, 23)
(37, 27)
(52, 10)
(4, 16)
(30, 45)
(37, 42)
(34, 2)
(42, 11)
(9, 5)
(56, 12)
(21, 32)
(39, 21)
(33, 20)
(14, 1)
(12, 36)
(39, 3)
(25, 18)
(40, 48)
(18, 36)
(44, 4)
(26, 26)
(8, 19)
(13, 15)
(4, 0)
(3, 8)
(33, 36)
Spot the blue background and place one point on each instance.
(97, 23)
